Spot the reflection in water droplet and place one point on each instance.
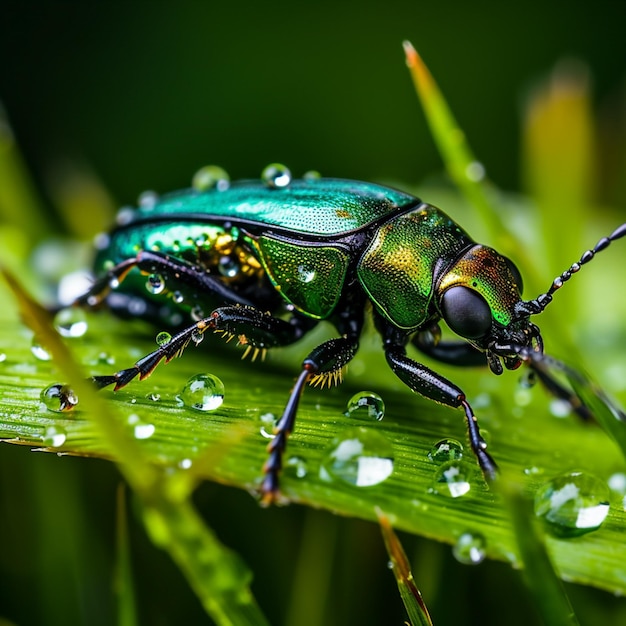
(141, 429)
(163, 338)
(39, 352)
(58, 398)
(268, 424)
(470, 548)
(276, 176)
(451, 480)
(366, 404)
(446, 450)
(296, 466)
(210, 177)
(71, 322)
(361, 457)
(155, 284)
(305, 274)
(203, 392)
(55, 436)
(572, 504)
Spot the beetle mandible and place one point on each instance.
(265, 261)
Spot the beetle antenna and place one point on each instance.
(533, 307)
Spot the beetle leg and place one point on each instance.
(435, 387)
(251, 326)
(328, 357)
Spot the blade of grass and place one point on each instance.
(410, 594)
(546, 589)
(124, 586)
(217, 575)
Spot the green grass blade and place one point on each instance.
(124, 586)
(410, 594)
(546, 589)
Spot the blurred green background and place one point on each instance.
(141, 94)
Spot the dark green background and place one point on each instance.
(145, 93)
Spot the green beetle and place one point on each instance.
(265, 261)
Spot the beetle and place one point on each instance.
(266, 261)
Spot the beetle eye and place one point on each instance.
(517, 276)
(466, 312)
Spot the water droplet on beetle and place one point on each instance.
(451, 480)
(125, 216)
(197, 313)
(197, 336)
(469, 548)
(572, 504)
(155, 284)
(54, 437)
(141, 429)
(228, 267)
(305, 274)
(163, 338)
(58, 398)
(360, 457)
(210, 177)
(276, 176)
(366, 404)
(446, 450)
(203, 392)
(38, 351)
(178, 297)
(311, 175)
(71, 322)
(148, 199)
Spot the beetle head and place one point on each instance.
(479, 298)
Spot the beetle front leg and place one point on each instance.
(325, 360)
(252, 327)
(435, 387)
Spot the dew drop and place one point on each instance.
(276, 176)
(572, 504)
(617, 483)
(268, 424)
(3, 357)
(469, 548)
(141, 429)
(475, 171)
(125, 216)
(197, 313)
(197, 336)
(296, 466)
(185, 464)
(155, 284)
(203, 392)
(446, 450)
(360, 457)
(366, 404)
(451, 480)
(58, 398)
(178, 297)
(38, 351)
(153, 397)
(311, 175)
(228, 267)
(148, 200)
(71, 322)
(306, 274)
(528, 379)
(54, 437)
(210, 177)
(163, 338)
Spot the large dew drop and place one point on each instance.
(367, 405)
(203, 392)
(572, 504)
(361, 457)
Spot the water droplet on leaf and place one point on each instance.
(360, 457)
(572, 504)
(366, 404)
(203, 392)
(470, 548)
(451, 480)
(58, 398)
(71, 322)
(446, 450)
